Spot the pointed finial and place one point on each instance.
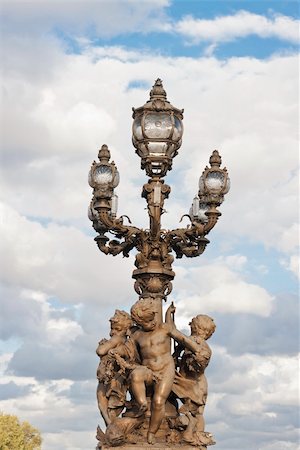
(104, 153)
(157, 90)
(215, 159)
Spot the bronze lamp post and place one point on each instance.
(157, 136)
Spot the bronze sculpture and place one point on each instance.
(147, 396)
(111, 390)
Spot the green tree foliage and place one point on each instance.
(15, 435)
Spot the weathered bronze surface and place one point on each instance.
(152, 388)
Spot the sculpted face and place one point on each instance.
(150, 324)
(144, 313)
(117, 328)
(120, 323)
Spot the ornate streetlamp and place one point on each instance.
(157, 136)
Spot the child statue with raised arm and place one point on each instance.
(157, 369)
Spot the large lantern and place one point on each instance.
(157, 132)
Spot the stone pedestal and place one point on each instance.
(156, 447)
(131, 434)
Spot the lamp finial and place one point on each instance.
(157, 90)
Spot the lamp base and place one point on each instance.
(155, 447)
(134, 431)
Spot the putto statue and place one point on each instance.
(112, 387)
(149, 395)
(146, 395)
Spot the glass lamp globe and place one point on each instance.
(104, 175)
(157, 132)
(214, 181)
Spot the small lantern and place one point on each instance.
(198, 210)
(104, 176)
(214, 182)
(93, 215)
(157, 132)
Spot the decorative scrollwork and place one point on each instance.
(154, 246)
(157, 132)
(155, 286)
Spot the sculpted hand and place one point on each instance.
(172, 308)
(170, 315)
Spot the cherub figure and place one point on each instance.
(190, 384)
(112, 384)
(153, 342)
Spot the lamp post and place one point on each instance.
(157, 136)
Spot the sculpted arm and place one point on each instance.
(184, 340)
(169, 317)
(104, 347)
(179, 337)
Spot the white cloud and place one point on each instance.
(73, 440)
(218, 287)
(81, 123)
(236, 262)
(62, 330)
(4, 360)
(292, 264)
(94, 18)
(57, 260)
(241, 24)
(48, 407)
(109, 19)
(256, 392)
(283, 445)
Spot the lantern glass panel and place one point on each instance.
(90, 179)
(195, 207)
(201, 186)
(137, 128)
(227, 188)
(157, 148)
(91, 214)
(102, 174)
(156, 167)
(178, 129)
(143, 149)
(203, 208)
(114, 205)
(215, 181)
(116, 179)
(158, 126)
(171, 150)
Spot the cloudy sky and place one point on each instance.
(72, 70)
